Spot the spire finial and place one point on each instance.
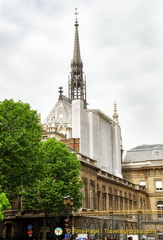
(115, 114)
(60, 90)
(76, 13)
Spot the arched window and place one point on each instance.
(160, 209)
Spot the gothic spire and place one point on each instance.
(76, 56)
(77, 84)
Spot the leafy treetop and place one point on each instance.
(20, 135)
(61, 177)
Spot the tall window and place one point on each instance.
(83, 199)
(134, 202)
(115, 200)
(91, 195)
(126, 201)
(141, 203)
(160, 208)
(159, 185)
(110, 198)
(98, 200)
(103, 198)
(85, 194)
(130, 202)
(121, 201)
(98, 197)
(104, 201)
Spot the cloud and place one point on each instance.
(122, 52)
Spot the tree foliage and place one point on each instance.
(4, 204)
(20, 135)
(61, 170)
(42, 172)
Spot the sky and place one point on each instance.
(121, 44)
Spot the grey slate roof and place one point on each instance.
(144, 153)
(147, 147)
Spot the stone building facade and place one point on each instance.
(143, 165)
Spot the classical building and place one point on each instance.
(143, 165)
(112, 204)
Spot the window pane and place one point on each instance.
(159, 185)
(160, 208)
(142, 183)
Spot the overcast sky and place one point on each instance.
(121, 45)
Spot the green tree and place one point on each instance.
(20, 135)
(61, 177)
(4, 204)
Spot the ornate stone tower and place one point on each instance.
(90, 132)
(77, 82)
